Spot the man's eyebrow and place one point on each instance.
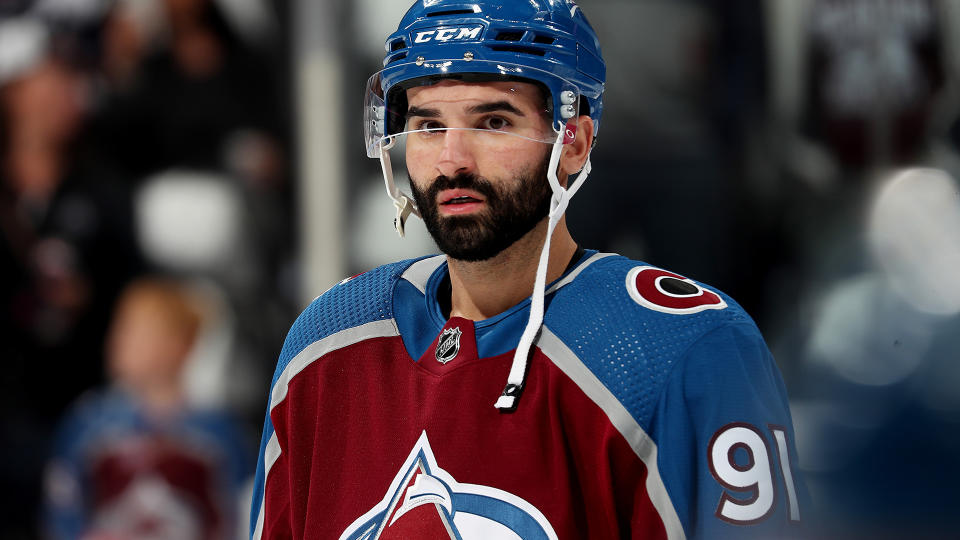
(495, 106)
(425, 113)
(482, 108)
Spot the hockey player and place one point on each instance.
(439, 398)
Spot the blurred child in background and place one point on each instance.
(135, 460)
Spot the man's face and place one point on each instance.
(479, 189)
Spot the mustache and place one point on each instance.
(463, 181)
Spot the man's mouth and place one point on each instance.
(460, 201)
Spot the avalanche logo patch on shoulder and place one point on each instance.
(667, 292)
(425, 501)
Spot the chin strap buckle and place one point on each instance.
(507, 402)
(404, 209)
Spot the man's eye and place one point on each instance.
(495, 123)
(430, 125)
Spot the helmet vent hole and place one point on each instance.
(451, 12)
(519, 49)
(510, 35)
(546, 40)
(397, 45)
(400, 56)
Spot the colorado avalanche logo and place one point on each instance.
(670, 293)
(448, 345)
(424, 501)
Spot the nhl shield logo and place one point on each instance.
(449, 345)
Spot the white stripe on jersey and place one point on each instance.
(641, 443)
(317, 349)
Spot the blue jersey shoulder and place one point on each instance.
(630, 323)
(353, 302)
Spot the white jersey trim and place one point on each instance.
(311, 353)
(317, 349)
(270, 456)
(641, 443)
(576, 271)
(419, 272)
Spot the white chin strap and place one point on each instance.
(558, 204)
(404, 204)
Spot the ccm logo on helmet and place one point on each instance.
(667, 292)
(447, 34)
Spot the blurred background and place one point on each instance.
(801, 155)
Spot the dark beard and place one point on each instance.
(510, 213)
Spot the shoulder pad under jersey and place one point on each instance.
(630, 323)
(353, 302)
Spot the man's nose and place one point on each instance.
(456, 157)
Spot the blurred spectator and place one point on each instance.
(134, 460)
(190, 91)
(95, 96)
(199, 224)
(868, 300)
(874, 71)
(67, 241)
(66, 247)
(184, 89)
(860, 88)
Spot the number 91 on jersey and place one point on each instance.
(741, 461)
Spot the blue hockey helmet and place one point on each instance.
(547, 42)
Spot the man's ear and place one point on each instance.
(575, 154)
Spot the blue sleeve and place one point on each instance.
(725, 440)
(259, 477)
(64, 513)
